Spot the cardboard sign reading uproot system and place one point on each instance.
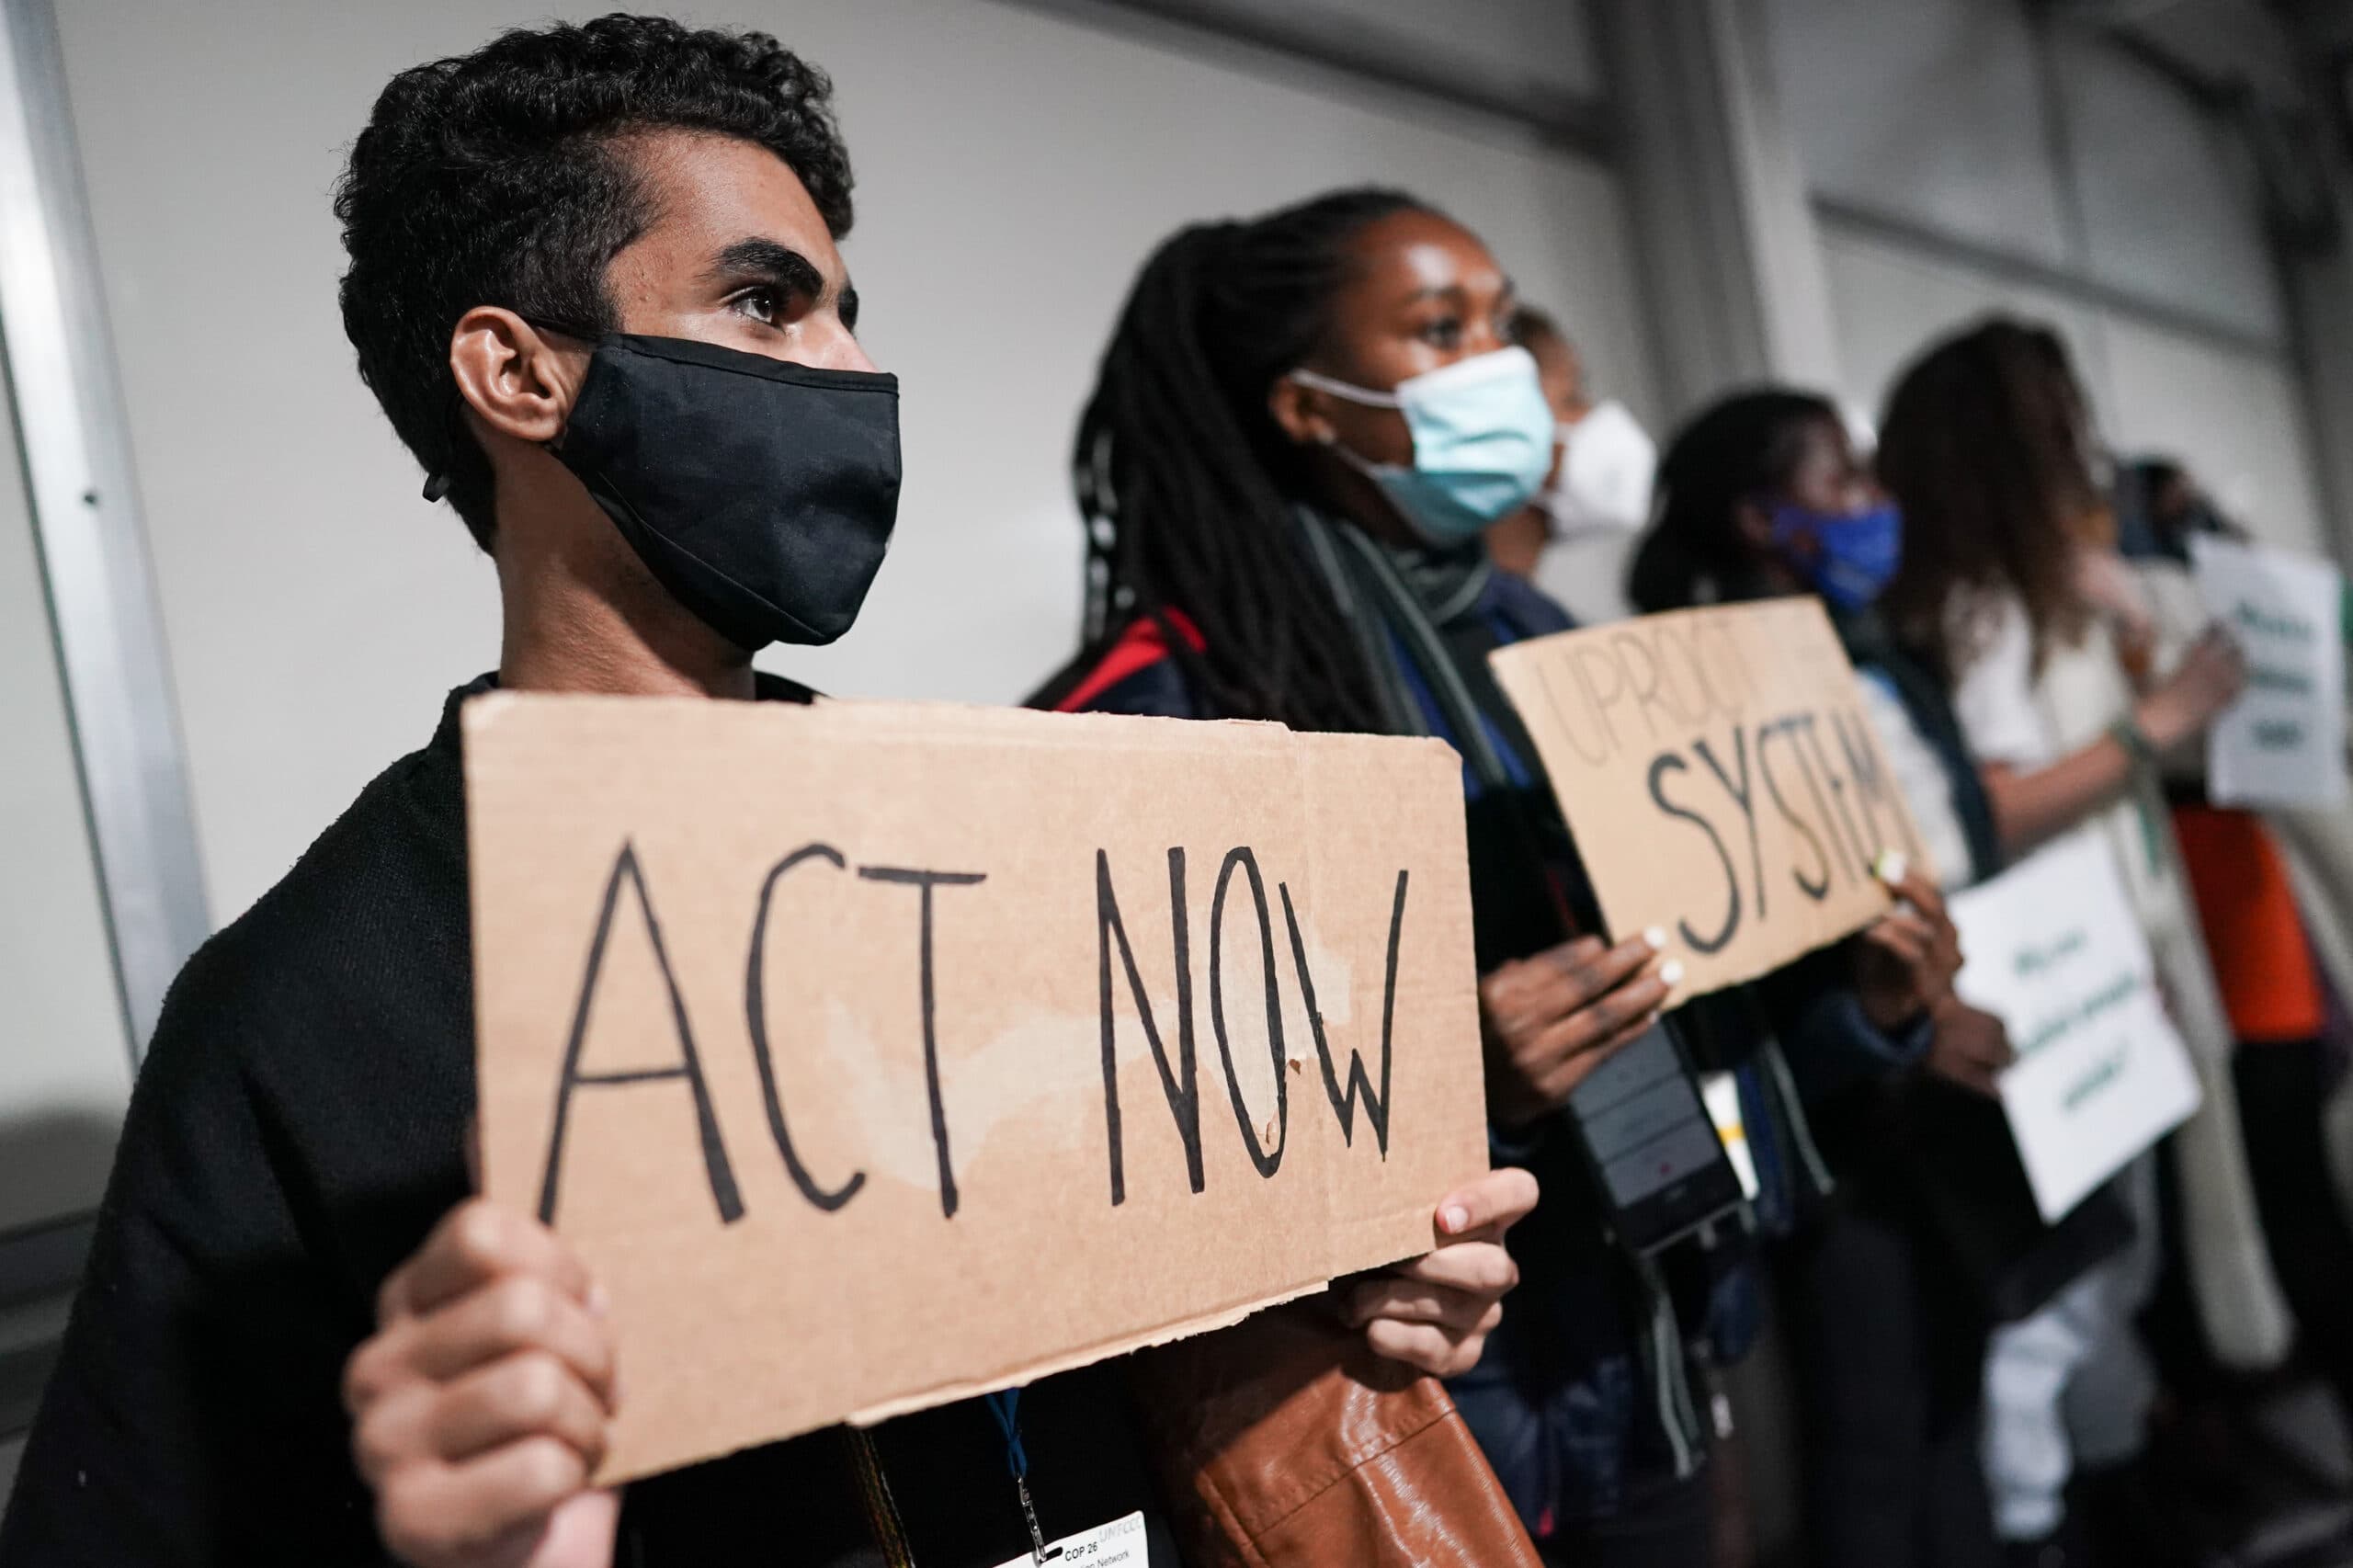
(2056, 953)
(2283, 742)
(877, 1055)
(1721, 778)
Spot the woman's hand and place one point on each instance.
(2209, 679)
(1553, 1019)
(1907, 957)
(1969, 1047)
(1435, 1313)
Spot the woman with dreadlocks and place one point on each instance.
(1303, 426)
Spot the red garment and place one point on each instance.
(1139, 647)
(2247, 906)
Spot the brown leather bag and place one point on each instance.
(1284, 1442)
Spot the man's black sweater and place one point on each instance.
(298, 1129)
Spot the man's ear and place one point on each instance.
(1298, 413)
(1756, 529)
(518, 384)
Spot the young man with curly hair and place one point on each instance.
(594, 283)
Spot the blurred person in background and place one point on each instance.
(1303, 426)
(2277, 953)
(1575, 540)
(1762, 494)
(1986, 443)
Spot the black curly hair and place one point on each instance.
(492, 179)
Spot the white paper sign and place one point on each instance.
(1120, 1544)
(2282, 743)
(2056, 953)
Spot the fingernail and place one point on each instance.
(1657, 938)
(1671, 972)
(1890, 866)
(1454, 1219)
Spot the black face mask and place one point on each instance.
(760, 494)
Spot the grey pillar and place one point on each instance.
(1724, 229)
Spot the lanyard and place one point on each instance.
(1006, 1408)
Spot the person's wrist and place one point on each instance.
(2143, 733)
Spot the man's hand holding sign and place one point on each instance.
(1096, 1060)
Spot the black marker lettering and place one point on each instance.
(714, 1152)
(1182, 1086)
(1872, 786)
(1265, 1161)
(1642, 683)
(756, 1013)
(1864, 853)
(1744, 797)
(1660, 765)
(1794, 723)
(1690, 702)
(1584, 658)
(1551, 674)
(1818, 890)
(926, 881)
(1344, 1105)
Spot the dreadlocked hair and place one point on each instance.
(1188, 485)
(1984, 446)
(1741, 447)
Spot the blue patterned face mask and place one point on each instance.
(1853, 555)
(1482, 442)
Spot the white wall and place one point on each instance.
(1939, 112)
(1892, 303)
(2138, 210)
(2169, 198)
(64, 1068)
(1014, 168)
(2230, 412)
(1545, 44)
(1927, 109)
(2233, 415)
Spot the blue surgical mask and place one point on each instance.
(1482, 442)
(1855, 553)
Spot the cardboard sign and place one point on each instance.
(2056, 953)
(2283, 742)
(1721, 776)
(874, 1056)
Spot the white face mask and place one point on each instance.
(1607, 468)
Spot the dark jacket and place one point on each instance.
(297, 1129)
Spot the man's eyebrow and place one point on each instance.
(767, 261)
